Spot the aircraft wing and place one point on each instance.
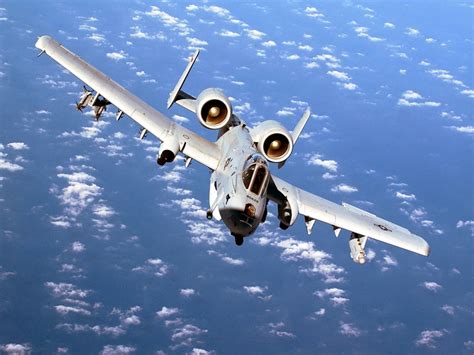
(344, 216)
(190, 144)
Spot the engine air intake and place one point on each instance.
(276, 146)
(213, 109)
(214, 112)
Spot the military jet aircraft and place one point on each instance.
(241, 184)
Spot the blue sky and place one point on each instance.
(102, 251)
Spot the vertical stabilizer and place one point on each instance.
(177, 93)
(300, 126)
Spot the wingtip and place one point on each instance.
(43, 41)
(427, 250)
(424, 248)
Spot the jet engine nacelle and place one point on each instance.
(357, 245)
(273, 141)
(169, 148)
(213, 108)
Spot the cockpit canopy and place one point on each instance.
(255, 174)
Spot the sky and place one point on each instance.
(102, 251)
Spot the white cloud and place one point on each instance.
(99, 38)
(389, 260)
(18, 146)
(370, 255)
(86, 27)
(292, 57)
(349, 330)
(364, 32)
(176, 24)
(462, 129)
(199, 351)
(432, 286)
(66, 290)
(117, 350)
(402, 55)
(295, 250)
(192, 8)
(451, 115)
(448, 309)
(187, 332)
(409, 95)
(187, 292)
(80, 192)
(311, 11)
(255, 290)
(166, 312)
(329, 164)
(320, 312)
(16, 349)
(172, 176)
(117, 55)
(42, 112)
(232, 261)
(335, 295)
(255, 34)
(219, 11)
(349, 86)
(178, 191)
(462, 224)
(131, 320)
(332, 292)
(196, 42)
(468, 92)
(339, 75)
(269, 44)
(447, 77)
(406, 197)
(413, 32)
(428, 337)
(60, 221)
(138, 33)
(103, 211)
(9, 166)
(201, 231)
(78, 247)
(311, 65)
(227, 33)
(284, 112)
(114, 331)
(326, 58)
(305, 47)
(64, 310)
(344, 188)
(388, 25)
(329, 176)
(277, 330)
(155, 266)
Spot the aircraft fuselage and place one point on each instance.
(238, 190)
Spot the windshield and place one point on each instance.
(255, 174)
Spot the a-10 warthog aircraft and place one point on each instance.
(241, 184)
